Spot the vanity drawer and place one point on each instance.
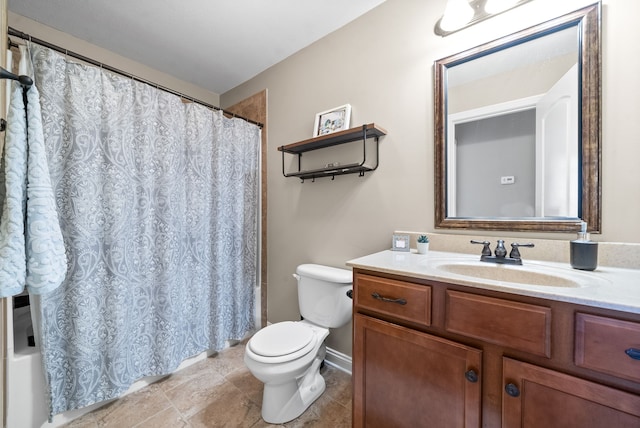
(399, 299)
(502, 322)
(602, 344)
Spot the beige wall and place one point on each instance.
(64, 40)
(382, 65)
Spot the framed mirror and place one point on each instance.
(517, 130)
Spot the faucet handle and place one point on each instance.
(486, 250)
(500, 251)
(515, 253)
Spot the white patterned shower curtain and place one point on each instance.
(158, 204)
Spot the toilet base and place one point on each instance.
(286, 401)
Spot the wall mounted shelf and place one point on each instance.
(360, 133)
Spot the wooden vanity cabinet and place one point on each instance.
(431, 354)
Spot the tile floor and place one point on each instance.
(217, 392)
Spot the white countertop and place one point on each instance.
(605, 287)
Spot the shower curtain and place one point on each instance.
(158, 203)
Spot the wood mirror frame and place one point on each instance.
(587, 21)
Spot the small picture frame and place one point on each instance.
(401, 243)
(336, 119)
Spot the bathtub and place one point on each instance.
(26, 401)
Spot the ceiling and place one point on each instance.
(214, 44)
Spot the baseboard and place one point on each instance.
(338, 360)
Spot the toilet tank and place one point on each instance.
(322, 295)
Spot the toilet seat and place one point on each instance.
(283, 341)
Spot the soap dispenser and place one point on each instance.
(583, 251)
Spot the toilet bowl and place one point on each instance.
(291, 381)
(286, 356)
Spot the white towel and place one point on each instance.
(33, 255)
(13, 265)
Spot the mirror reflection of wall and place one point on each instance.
(498, 167)
(524, 70)
(486, 141)
(495, 164)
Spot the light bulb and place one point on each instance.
(497, 6)
(456, 15)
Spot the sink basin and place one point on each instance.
(538, 276)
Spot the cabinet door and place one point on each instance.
(406, 378)
(538, 397)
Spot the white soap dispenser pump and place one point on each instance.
(583, 251)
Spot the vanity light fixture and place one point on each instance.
(456, 15)
(460, 14)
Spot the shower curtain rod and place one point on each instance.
(24, 36)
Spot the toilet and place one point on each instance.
(286, 356)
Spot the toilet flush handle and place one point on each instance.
(296, 276)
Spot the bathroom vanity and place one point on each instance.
(442, 340)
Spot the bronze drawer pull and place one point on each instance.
(633, 353)
(389, 300)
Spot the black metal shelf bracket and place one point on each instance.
(352, 135)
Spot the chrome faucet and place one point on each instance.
(500, 253)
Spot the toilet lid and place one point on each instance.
(281, 339)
